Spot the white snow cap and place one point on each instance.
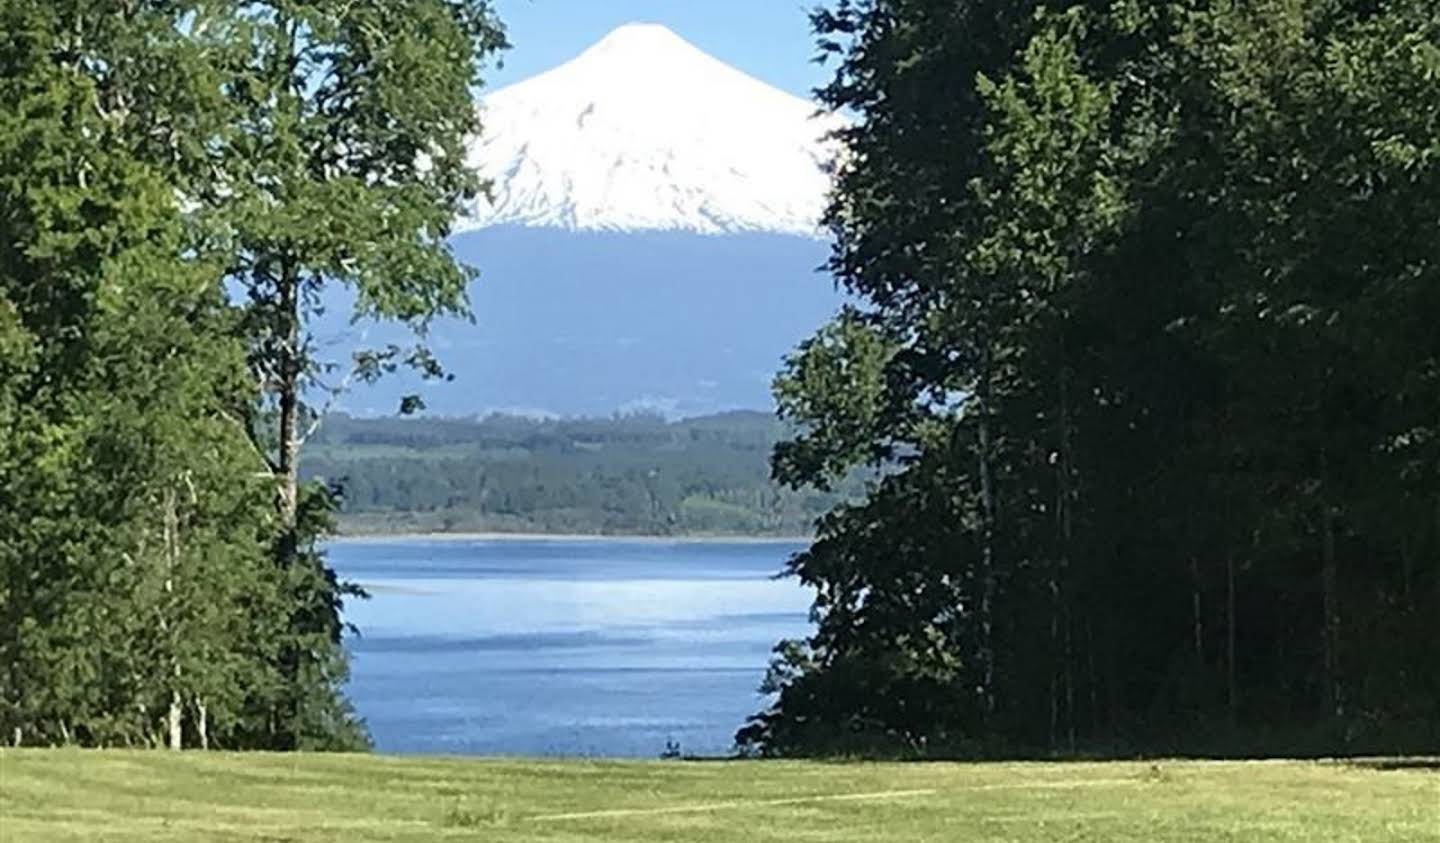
(645, 132)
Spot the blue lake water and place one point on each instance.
(564, 647)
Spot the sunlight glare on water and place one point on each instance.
(564, 647)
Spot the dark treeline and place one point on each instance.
(632, 474)
(178, 182)
(1149, 295)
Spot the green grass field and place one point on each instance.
(134, 796)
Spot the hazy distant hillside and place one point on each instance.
(635, 474)
(587, 323)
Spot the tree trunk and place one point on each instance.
(167, 623)
(173, 720)
(288, 388)
(202, 723)
(18, 737)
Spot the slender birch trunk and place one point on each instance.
(173, 719)
(288, 388)
(171, 543)
(202, 723)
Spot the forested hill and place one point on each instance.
(634, 474)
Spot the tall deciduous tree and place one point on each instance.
(344, 164)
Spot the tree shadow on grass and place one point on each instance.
(1392, 764)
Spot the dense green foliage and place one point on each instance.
(62, 796)
(636, 474)
(1147, 314)
(160, 574)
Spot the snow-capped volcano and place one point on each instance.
(646, 132)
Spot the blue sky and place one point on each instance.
(769, 39)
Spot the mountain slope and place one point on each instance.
(644, 131)
(587, 323)
(651, 242)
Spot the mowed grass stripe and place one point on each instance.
(138, 796)
(841, 797)
(721, 806)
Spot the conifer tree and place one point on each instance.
(1149, 280)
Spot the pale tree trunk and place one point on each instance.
(287, 329)
(287, 462)
(202, 723)
(174, 715)
(173, 721)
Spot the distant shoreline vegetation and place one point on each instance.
(356, 537)
(628, 476)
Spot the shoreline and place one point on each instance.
(381, 538)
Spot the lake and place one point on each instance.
(603, 647)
